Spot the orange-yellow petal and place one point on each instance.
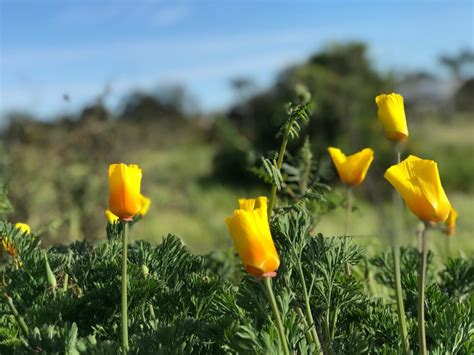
(111, 217)
(124, 194)
(418, 181)
(250, 232)
(145, 205)
(391, 112)
(451, 222)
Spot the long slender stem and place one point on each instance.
(348, 211)
(347, 220)
(124, 288)
(21, 322)
(421, 294)
(281, 155)
(309, 314)
(402, 324)
(281, 330)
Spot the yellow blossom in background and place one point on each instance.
(352, 169)
(23, 228)
(249, 229)
(418, 181)
(124, 190)
(145, 203)
(392, 114)
(451, 222)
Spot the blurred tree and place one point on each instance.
(344, 84)
(460, 65)
(168, 103)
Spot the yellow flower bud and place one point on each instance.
(451, 222)
(124, 194)
(23, 228)
(352, 169)
(418, 181)
(392, 114)
(249, 229)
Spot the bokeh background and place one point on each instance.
(194, 92)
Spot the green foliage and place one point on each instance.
(65, 299)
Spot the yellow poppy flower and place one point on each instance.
(451, 222)
(249, 229)
(124, 194)
(23, 228)
(352, 169)
(145, 206)
(417, 180)
(392, 114)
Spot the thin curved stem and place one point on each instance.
(421, 294)
(124, 288)
(21, 322)
(281, 330)
(281, 155)
(309, 314)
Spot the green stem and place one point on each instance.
(399, 296)
(281, 330)
(348, 211)
(308, 336)
(402, 324)
(309, 314)
(281, 154)
(347, 221)
(421, 294)
(124, 288)
(18, 317)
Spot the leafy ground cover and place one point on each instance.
(335, 296)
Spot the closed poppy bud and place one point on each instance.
(451, 222)
(418, 181)
(23, 228)
(124, 194)
(392, 114)
(352, 169)
(249, 229)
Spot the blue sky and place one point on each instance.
(49, 48)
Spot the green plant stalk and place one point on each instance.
(281, 154)
(421, 293)
(307, 334)
(281, 330)
(21, 322)
(66, 280)
(347, 220)
(402, 324)
(309, 314)
(124, 288)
